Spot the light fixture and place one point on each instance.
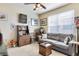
(38, 6)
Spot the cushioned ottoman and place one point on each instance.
(45, 49)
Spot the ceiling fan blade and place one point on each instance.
(28, 3)
(43, 6)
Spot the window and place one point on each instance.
(61, 23)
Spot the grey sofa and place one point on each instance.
(57, 41)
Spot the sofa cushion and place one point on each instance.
(56, 43)
(58, 37)
(53, 36)
(48, 40)
(61, 45)
(62, 37)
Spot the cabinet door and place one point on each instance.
(21, 41)
(24, 40)
(28, 41)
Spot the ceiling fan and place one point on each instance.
(36, 5)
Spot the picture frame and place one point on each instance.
(22, 18)
(76, 21)
(43, 22)
(3, 16)
(34, 22)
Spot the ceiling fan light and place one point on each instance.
(37, 8)
(34, 6)
(38, 5)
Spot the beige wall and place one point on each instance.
(11, 12)
(74, 6)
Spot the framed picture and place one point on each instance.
(34, 22)
(3, 16)
(43, 22)
(77, 21)
(22, 18)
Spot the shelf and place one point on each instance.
(22, 35)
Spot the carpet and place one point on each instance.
(29, 50)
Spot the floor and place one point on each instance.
(29, 50)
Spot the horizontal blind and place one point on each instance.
(61, 23)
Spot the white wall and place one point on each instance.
(12, 11)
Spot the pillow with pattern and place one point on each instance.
(44, 36)
(67, 40)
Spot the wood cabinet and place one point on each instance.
(23, 37)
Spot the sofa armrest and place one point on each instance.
(70, 48)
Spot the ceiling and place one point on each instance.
(49, 6)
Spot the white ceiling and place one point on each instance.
(49, 6)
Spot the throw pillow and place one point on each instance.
(44, 36)
(40, 37)
(67, 40)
